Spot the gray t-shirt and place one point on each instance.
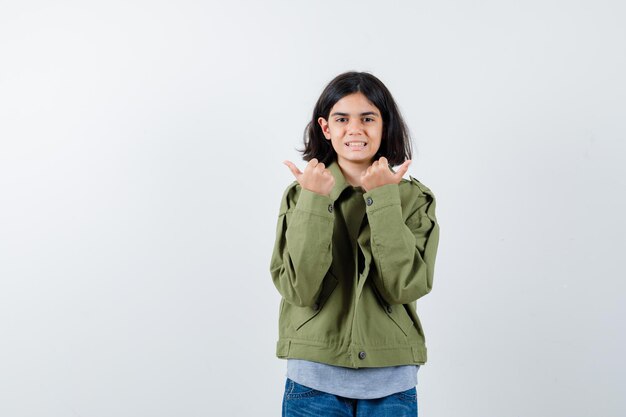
(361, 383)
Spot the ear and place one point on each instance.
(324, 125)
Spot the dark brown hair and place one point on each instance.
(395, 143)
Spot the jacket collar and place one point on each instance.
(340, 181)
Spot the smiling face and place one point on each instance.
(355, 128)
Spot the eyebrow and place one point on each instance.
(367, 113)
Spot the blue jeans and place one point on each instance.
(301, 401)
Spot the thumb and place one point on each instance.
(293, 168)
(403, 168)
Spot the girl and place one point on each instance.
(355, 248)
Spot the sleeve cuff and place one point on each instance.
(383, 196)
(314, 203)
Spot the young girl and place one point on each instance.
(355, 247)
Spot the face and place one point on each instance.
(355, 127)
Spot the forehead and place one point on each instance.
(354, 103)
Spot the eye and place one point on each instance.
(368, 119)
(341, 119)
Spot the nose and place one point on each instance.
(355, 126)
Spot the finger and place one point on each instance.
(310, 166)
(293, 168)
(383, 161)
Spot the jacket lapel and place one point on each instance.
(363, 236)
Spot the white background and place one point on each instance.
(140, 178)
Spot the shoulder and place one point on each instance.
(412, 187)
(290, 197)
(417, 198)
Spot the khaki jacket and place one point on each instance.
(350, 267)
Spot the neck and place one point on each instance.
(352, 170)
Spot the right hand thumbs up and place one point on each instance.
(315, 177)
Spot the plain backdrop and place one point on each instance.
(141, 148)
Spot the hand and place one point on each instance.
(315, 177)
(379, 174)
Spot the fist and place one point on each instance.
(315, 177)
(379, 174)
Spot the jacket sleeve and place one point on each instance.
(403, 251)
(303, 248)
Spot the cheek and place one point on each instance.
(377, 132)
(335, 131)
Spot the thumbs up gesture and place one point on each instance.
(315, 177)
(379, 174)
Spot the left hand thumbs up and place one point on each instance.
(379, 174)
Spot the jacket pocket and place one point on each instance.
(397, 313)
(307, 313)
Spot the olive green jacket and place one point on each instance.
(349, 267)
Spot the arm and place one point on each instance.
(303, 248)
(403, 251)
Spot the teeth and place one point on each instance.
(356, 144)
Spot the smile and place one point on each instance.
(356, 145)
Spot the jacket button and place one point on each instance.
(330, 208)
(389, 309)
(369, 201)
(316, 306)
(362, 355)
